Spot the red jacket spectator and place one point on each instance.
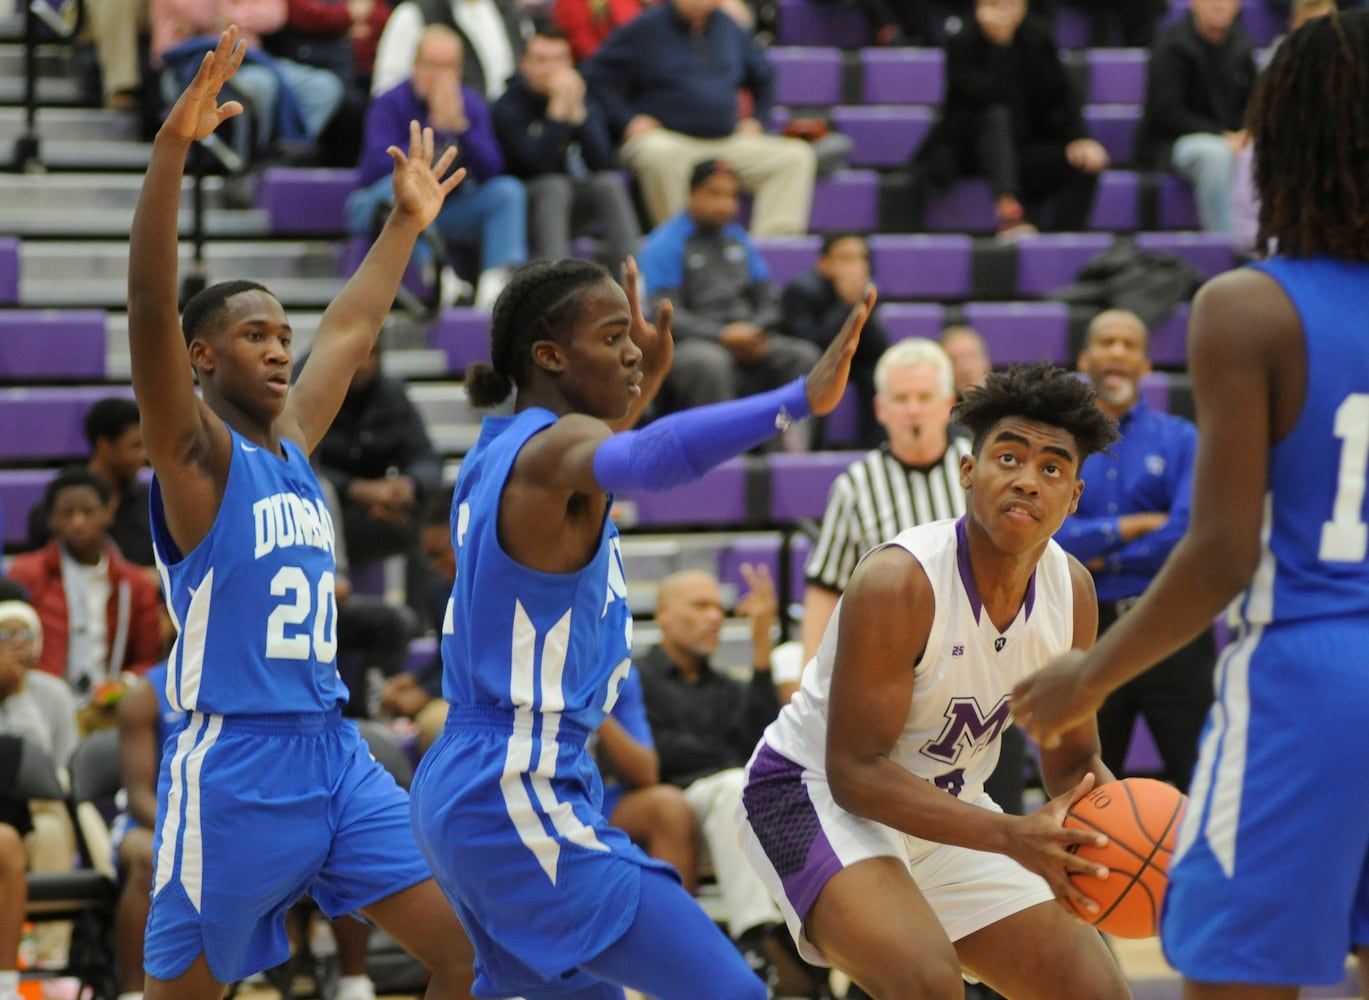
(132, 622)
(586, 23)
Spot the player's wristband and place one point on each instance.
(681, 447)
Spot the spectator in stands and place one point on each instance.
(489, 210)
(1012, 115)
(1130, 517)
(555, 138)
(417, 695)
(492, 34)
(656, 815)
(378, 457)
(815, 305)
(727, 314)
(40, 708)
(1202, 72)
(14, 893)
(373, 634)
(706, 724)
(101, 614)
(897, 22)
(333, 35)
(117, 456)
(1135, 19)
(970, 364)
(115, 26)
(146, 720)
(586, 23)
(291, 102)
(669, 81)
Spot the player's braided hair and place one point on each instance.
(540, 302)
(1309, 119)
(1040, 392)
(205, 305)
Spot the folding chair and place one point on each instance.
(86, 896)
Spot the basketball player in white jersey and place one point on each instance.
(864, 808)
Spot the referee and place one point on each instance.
(912, 479)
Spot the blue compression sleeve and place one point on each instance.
(681, 447)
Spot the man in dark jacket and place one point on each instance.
(379, 458)
(816, 303)
(556, 140)
(1202, 71)
(1011, 115)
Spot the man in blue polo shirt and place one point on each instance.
(668, 81)
(727, 309)
(1133, 511)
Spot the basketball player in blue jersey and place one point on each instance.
(266, 794)
(537, 639)
(864, 810)
(1270, 880)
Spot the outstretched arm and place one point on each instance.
(352, 322)
(186, 443)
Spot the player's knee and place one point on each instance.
(670, 809)
(136, 861)
(930, 978)
(12, 855)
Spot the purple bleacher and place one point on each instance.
(885, 135)
(921, 266)
(717, 498)
(1022, 331)
(1114, 126)
(1071, 28)
(464, 334)
(1210, 253)
(1053, 259)
(20, 489)
(787, 256)
(847, 199)
(9, 270)
(799, 547)
(1169, 340)
(52, 343)
(966, 207)
(910, 319)
(903, 75)
(805, 22)
(843, 424)
(1143, 757)
(753, 550)
(305, 199)
(806, 75)
(1177, 210)
(1155, 391)
(46, 423)
(1117, 76)
(1114, 207)
(799, 483)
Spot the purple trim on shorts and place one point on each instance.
(962, 559)
(786, 824)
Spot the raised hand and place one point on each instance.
(197, 112)
(654, 340)
(759, 603)
(419, 185)
(827, 381)
(1054, 699)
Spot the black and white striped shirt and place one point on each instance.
(874, 499)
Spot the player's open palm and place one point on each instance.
(1054, 699)
(654, 340)
(827, 381)
(420, 185)
(1042, 845)
(197, 112)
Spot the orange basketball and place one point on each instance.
(1140, 817)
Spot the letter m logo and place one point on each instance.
(966, 727)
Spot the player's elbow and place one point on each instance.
(1228, 557)
(848, 778)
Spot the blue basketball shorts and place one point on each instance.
(1270, 880)
(254, 812)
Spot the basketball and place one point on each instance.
(1140, 817)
